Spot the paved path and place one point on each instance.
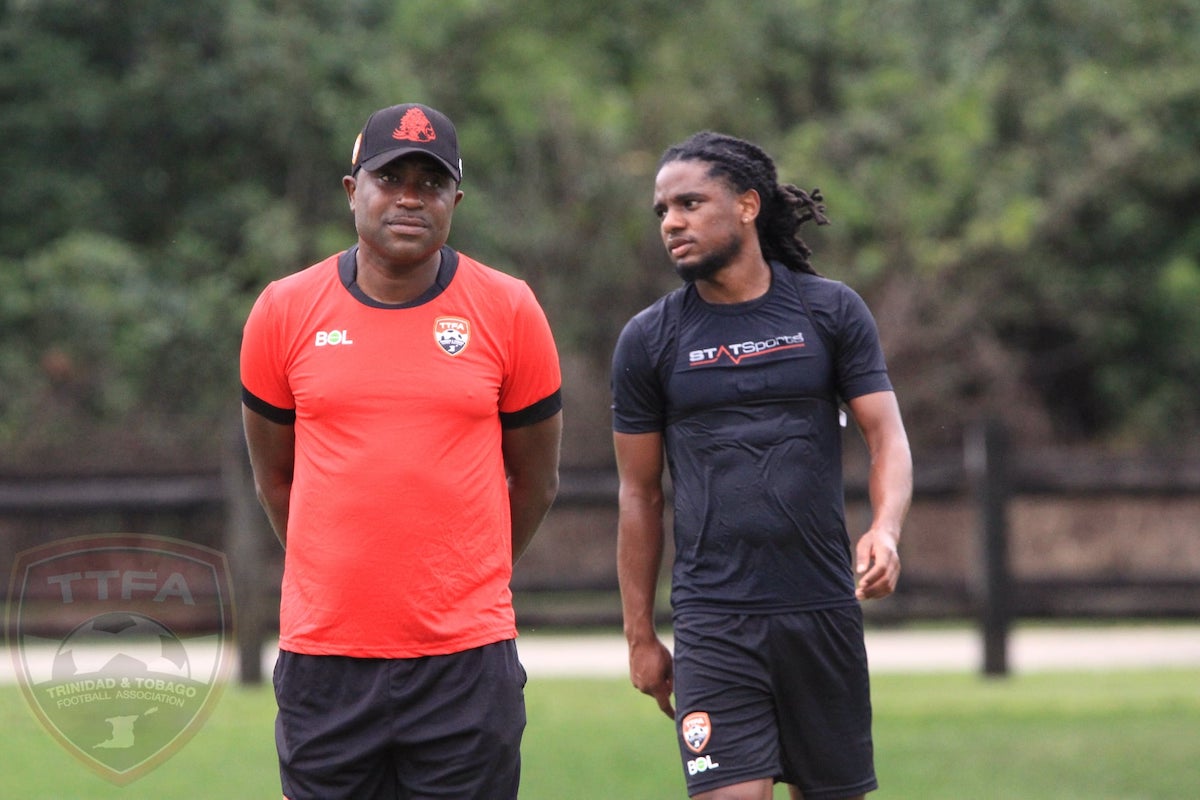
(1031, 648)
(922, 650)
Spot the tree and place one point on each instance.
(166, 158)
(1012, 186)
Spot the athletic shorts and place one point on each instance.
(779, 696)
(369, 729)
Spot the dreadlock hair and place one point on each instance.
(784, 207)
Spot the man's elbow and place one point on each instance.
(539, 485)
(264, 499)
(649, 497)
(272, 495)
(550, 487)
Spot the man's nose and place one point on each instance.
(671, 221)
(409, 195)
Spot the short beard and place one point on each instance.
(711, 264)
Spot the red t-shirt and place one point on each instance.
(399, 538)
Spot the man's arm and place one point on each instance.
(639, 559)
(272, 458)
(890, 488)
(531, 456)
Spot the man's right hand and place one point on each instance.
(651, 669)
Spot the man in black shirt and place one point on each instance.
(737, 380)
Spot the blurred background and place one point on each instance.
(1014, 188)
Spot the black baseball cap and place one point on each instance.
(408, 128)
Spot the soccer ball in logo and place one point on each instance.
(452, 334)
(121, 644)
(696, 728)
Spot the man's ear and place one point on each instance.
(749, 204)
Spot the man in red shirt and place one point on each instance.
(402, 407)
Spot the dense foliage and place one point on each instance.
(1013, 186)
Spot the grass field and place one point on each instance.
(1121, 735)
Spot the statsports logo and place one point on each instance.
(452, 334)
(736, 352)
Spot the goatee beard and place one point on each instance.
(698, 272)
(711, 264)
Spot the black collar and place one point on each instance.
(347, 267)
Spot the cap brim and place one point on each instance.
(388, 156)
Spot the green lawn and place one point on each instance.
(1124, 735)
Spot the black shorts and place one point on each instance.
(779, 696)
(368, 728)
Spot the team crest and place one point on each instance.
(120, 645)
(452, 334)
(696, 729)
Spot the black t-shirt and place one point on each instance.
(746, 397)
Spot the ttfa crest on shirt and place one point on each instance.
(696, 728)
(452, 334)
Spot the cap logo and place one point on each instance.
(414, 127)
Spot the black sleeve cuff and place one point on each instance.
(280, 416)
(541, 410)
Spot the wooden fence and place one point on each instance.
(218, 509)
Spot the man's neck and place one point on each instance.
(394, 286)
(740, 281)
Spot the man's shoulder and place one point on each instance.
(652, 331)
(661, 310)
(820, 285)
(491, 277)
(302, 280)
(285, 295)
(828, 298)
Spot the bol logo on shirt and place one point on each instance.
(335, 337)
(452, 334)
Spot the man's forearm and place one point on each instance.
(890, 488)
(639, 560)
(275, 500)
(529, 502)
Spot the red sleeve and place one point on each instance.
(263, 358)
(533, 373)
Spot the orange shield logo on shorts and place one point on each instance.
(696, 729)
(120, 644)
